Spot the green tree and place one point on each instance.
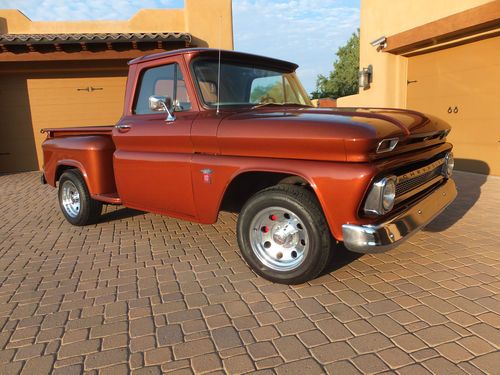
(343, 79)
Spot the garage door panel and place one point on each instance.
(437, 84)
(63, 102)
(467, 107)
(85, 115)
(77, 90)
(459, 59)
(45, 94)
(465, 78)
(47, 97)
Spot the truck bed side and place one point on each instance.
(89, 149)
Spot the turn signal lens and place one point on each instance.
(388, 195)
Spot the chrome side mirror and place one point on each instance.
(159, 103)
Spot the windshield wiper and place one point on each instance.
(278, 104)
(265, 104)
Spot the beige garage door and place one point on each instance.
(30, 102)
(461, 86)
(60, 102)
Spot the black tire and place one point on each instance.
(89, 209)
(305, 207)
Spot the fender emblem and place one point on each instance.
(207, 175)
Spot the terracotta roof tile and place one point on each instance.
(10, 39)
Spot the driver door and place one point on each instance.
(153, 156)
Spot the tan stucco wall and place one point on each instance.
(209, 22)
(385, 18)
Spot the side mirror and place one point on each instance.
(159, 103)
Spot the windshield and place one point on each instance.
(244, 84)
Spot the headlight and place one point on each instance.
(381, 197)
(448, 165)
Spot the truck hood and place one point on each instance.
(336, 134)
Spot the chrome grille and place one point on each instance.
(413, 179)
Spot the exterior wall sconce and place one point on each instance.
(365, 77)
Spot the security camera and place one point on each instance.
(380, 43)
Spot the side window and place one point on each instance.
(166, 80)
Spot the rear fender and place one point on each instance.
(92, 155)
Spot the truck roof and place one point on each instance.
(226, 54)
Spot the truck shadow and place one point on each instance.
(469, 191)
(119, 214)
(339, 258)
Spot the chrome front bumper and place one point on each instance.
(384, 236)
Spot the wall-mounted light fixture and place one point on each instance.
(365, 77)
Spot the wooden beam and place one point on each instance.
(82, 55)
(59, 67)
(469, 22)
(453, 43)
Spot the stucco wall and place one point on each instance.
(388, 17)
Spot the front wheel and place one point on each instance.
(283, 234)
(74, 199)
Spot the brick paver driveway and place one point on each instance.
(145, 293)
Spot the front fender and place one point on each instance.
(338, 186)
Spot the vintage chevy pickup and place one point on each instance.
(206, 130)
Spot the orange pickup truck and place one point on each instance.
(206, 130)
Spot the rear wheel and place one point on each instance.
(74, 199)
(283, 234)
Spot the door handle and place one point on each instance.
(123, 128)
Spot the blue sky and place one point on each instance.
(307, 32)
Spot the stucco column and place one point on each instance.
(213, 18)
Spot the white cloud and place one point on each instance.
(307, 32)
(66, 10)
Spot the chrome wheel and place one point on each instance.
(70, 199)
(279, 238)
